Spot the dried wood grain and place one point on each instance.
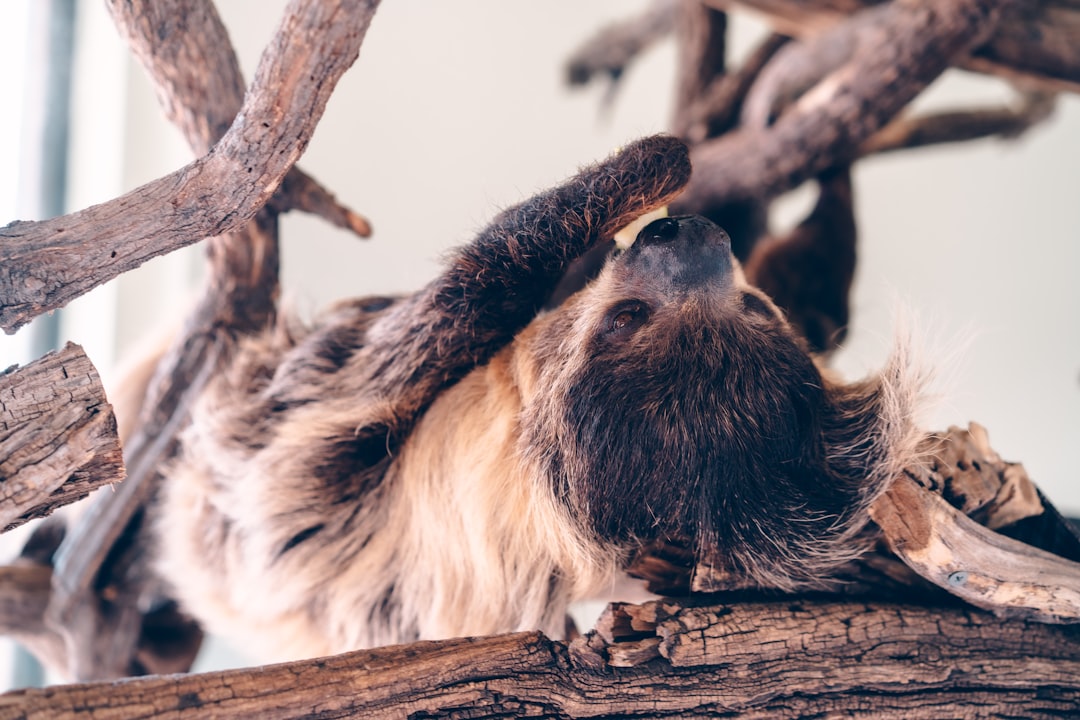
(58, 437)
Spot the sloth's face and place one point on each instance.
(681, 403)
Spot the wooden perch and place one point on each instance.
(826, 126)
(99, 612)
(104, 637)
(58, 436)
(91, 246)
(186, 50)
(1036, 44)
(747, 660)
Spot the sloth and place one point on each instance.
(461, 461)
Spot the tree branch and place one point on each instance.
(58, 436)
(185, 48)
(611, 50)
(88, 247)
(895, 59)
(1037, 43)
(748, 659)
(905, 133)
(103, 635)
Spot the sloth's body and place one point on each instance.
(320, 505)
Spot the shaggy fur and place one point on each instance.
(451, 463)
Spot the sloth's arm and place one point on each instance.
(308, 435)
(495, 285)
(349, 394)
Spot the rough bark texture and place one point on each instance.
(58, 436)
(748, 657)
(186, 50)
(791, 658)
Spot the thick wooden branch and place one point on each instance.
(279, 115)
(1037, 43)
(914, 42)
(58, 436)
(750, 660)
(102, 635)
(185, 48)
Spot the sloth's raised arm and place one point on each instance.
(496, 284)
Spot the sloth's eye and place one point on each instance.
(627, 317)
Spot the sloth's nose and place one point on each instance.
(687, 251)
(662, 230)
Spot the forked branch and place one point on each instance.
(88, 247)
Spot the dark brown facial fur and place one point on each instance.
(699, 414)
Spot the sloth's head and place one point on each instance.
(673, 401)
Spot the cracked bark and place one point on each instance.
(762, 659)
(58, 436)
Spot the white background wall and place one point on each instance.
(456, 109)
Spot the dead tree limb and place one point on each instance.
(1037, 43)
(240, 297)
(663, 659)
(984, 568)
(58, 436)
(187, 52)
(49, 263)
(913, 44)
(612, 49)
(921, 130)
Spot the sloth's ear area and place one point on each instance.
(869, 434)
(870, 430)
(813, 518)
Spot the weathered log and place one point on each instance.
(747, 660)
(58, 436)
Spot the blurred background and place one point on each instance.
(457, 109)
